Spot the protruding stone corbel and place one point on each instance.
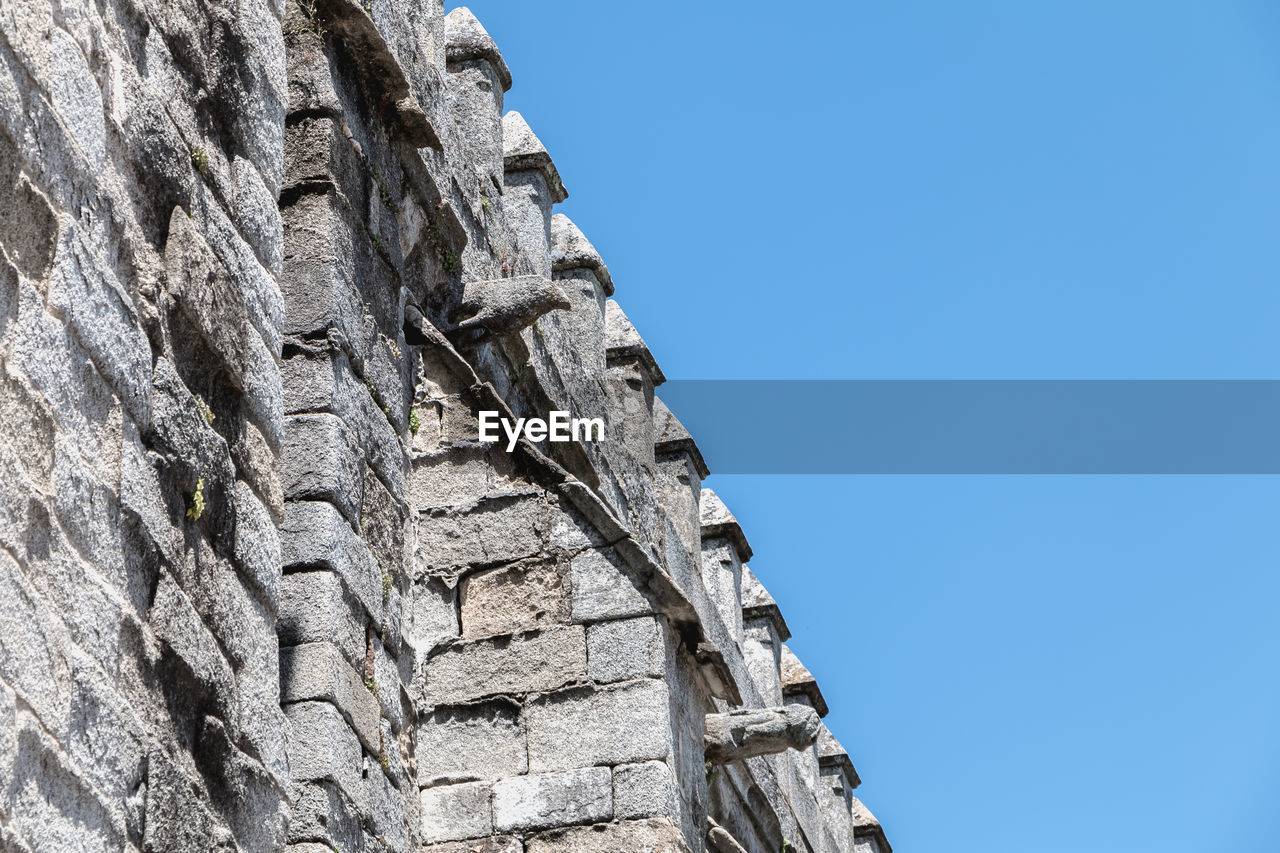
(505, 305)
(747, 733)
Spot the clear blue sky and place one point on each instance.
(943, 190)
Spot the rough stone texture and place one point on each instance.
(553, 799)
(644, 790)
(585, 726)
(624, 649)
(485, 740)
(634, 836)
(520, 663)
(261, 586)
(518, 597)
(450, 812)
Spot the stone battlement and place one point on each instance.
(263, 587)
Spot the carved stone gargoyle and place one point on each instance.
(738, 735)
(505, 305)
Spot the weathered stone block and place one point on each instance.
(582, 726)
(623, 649)
(603, 587)
(326, 381)
(315, 535)
(518, 663)
(496, 844)
(321, 810)
(496, 529)
(50, 803)
(633, 836)
(180, 630)
(647, 789)
(257, 544)
(321, 462)
(513, 598)
(433, 617)
(382, 523)
(451, 812)
(386, 809)
(459, 743)
(543, 800)
(386, 676)
(211, 298)
(317, 671)
(318, 607)
(323, 747)
(108, 741)
(451, 476)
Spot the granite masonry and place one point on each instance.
(262, 262)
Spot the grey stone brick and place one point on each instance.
(624, 649)
(582, 726)
(318, 607)
(452, 812)
(321, 462)
(498, 528)
(322, 746)
(520, 663)
(314, 534)
(318, 671)
(544, 800)
(484, 740)
(603, 588)
(633, 836)
(647, 789)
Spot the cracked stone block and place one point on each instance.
(452, 812)
(519, 663)
(582, 726)
(542, 800)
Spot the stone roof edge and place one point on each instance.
(671, 599)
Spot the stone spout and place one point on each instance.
(506, 305)
(739, 735)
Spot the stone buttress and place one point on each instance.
(262, 265)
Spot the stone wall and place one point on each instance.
(263, 587)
